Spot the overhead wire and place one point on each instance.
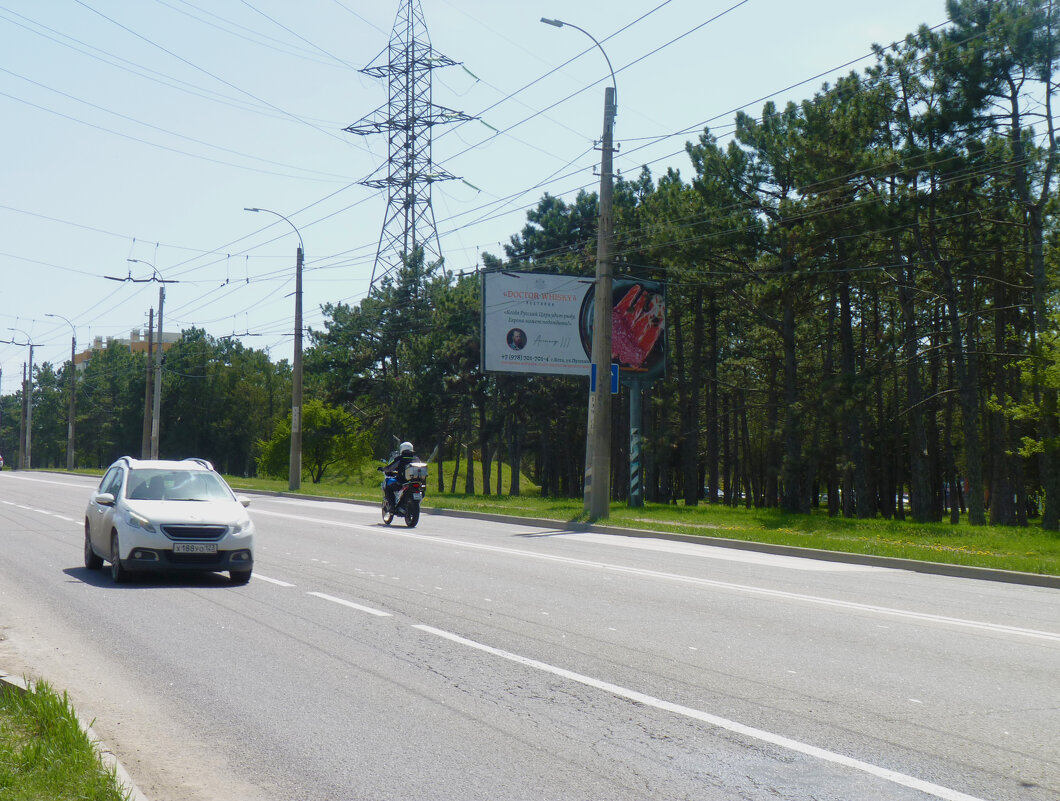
(458, 229)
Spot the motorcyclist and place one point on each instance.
(395, 471)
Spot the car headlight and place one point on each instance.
(137, 520)
(241, 526)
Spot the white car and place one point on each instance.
(157, 515)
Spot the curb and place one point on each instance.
(109, 760)
(894, 563)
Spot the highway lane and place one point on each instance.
(466, 659)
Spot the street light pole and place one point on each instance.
(597, 498)
(156, 409)
(294, 476)
(25, 459)
(73, 393)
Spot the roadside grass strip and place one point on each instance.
(44, 752)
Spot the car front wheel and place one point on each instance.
(92, 560)
(117, 572)
(239, 576)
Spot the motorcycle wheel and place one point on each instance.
(388, 514)
(412, 513)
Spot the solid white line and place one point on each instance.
(277, 582)
(923, 617)
(67, 484)
(350, 604)
(747, 731)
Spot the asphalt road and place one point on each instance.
(468, 659)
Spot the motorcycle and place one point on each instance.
(407, 494)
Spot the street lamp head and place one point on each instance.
(558, 23)
(295, 227)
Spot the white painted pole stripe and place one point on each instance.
(350, 604)
(738, 728)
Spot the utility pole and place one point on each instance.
(29, 412)
(294, 475)
(598, 456)
(157, 400)
(22, 425)
(597, 491)
(145, 441)
(73, 393)
(73, 406)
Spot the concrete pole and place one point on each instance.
(73, 392)
(22, 424)
(294, 482)
(73, 406)
(145, 440)
(29, 412)
(157, 399)
(598, 441)
(294, 476)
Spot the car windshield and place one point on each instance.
(176, 485)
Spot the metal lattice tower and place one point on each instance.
(408, 121)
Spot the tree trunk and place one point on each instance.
(919, 476)
(855, 479)
(712, 401)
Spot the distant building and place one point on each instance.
(136, 342)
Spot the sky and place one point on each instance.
(136, 132)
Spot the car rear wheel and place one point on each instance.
(92, 560)
(117, 572)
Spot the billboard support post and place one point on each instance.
(636, 486)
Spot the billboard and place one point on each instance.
(543, 323)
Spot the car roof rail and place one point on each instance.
(197, 460)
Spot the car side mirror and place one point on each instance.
(104, 499)
(244, 501)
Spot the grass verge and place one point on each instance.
(44, 753)
(1025, 550)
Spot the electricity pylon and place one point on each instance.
(408, 120)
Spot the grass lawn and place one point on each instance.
(1028, 550)
(44, 754)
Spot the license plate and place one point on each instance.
(194, 547)
(417, 496)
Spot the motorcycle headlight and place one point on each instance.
(137, 520)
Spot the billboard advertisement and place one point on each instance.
(542, 323)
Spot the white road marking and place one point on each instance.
(350, 604)
(922, 617)
(277, 582)
(726, 554)
(67, 484)
(729, 725)
(47, 512)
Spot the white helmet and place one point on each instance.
(405, 447)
